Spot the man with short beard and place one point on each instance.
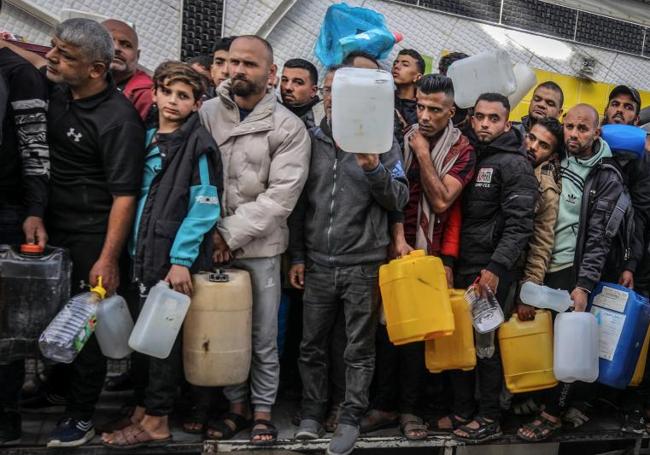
(623, 109)
(439, 162)
(547, 101)
(134, 83)
(591, 186)
(337, 244)
(96, 144)
(498, 212)
(265, 151)
(299, 89)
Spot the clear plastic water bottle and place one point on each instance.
(544, 297)
(486, 312)
(487, 316)
(484, 345)
(69, 331)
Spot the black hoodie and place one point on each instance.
(498, 207)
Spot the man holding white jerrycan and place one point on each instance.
(591, 186)
(339, 238)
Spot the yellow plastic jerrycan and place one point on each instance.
(415, 298)
(527, 353)
(639, 371)
(456, 351)
(217, 329)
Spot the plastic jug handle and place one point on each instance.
(218, 276)
(99, 289)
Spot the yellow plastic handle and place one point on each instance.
(99, 289)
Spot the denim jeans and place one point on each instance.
(354, 289)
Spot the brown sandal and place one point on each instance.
(134, 437)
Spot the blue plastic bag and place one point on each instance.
(341, 24)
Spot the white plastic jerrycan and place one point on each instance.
(160, 321)
(482, 73)
(526, 79)
(363, 101)
(114, 326)
(576, 347)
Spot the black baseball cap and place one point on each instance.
(627, 90)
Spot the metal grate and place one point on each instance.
(611, 33)
(202, 26)
(477, 9)
(540, 17)
(543, 18)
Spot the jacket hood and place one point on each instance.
(602, 152)
(509, 142)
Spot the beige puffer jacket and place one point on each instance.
(265, 164)
(541, 242)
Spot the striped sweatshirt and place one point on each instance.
(24, 151)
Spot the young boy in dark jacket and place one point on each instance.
(178, 206)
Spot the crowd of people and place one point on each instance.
(146, 178)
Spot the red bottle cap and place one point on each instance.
(31, 248)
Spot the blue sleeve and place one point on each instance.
(202, 215)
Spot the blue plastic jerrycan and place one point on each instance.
(623, 317)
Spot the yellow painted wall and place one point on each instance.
(576, 91)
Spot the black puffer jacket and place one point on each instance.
(498, 207)
(636, 173)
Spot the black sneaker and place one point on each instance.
(633, 422)
(9, 428)
(48, 403)
(71, 432)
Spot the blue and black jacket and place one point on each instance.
(179, 202)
